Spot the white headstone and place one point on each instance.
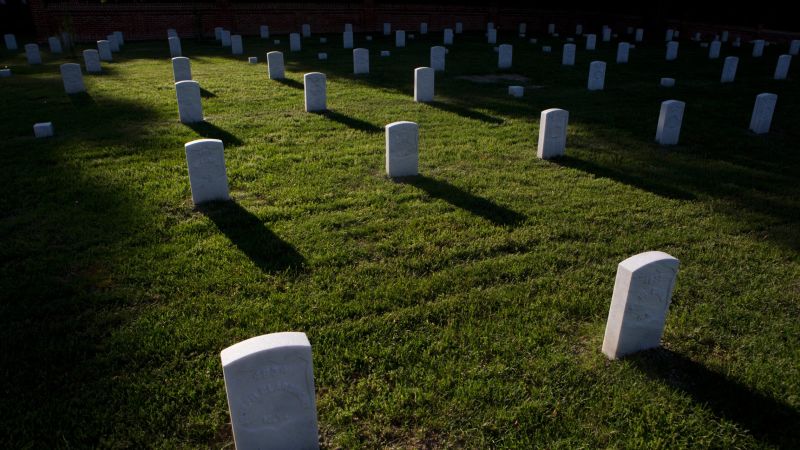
(315, 92)
(225, 37)
(5, 73)
(794, 47)
(55, 44)
(32, 54)
(516, 91)
(104, 49)
(623, 50)
(523, 28)
(725, 35)
(387, 28)
(761, 119)
(639, 35)
(437, 58)
(174, 47)
(275, 65)
(491, 36)
(758, 48)
(546, 49)
(591, 41)
(263, 31)
(552, 133)
(568, 57)
(597, 75)
(667, 82)
(672, 51)
(642, 295)
(269, 381)
(400, 38)
(551, 28)
(43, 129)
(578, 30)
(181, 68)
(504, 56)
(669, 35)
(171, 32)
(713, 49)
(737, 42)
(218, 33)
(360, 61)
(386, 53)
(423, 28)
(423, 84)
(120, 37)
(207, 177)
(112, 41)
(91, 59)
(322, 56)
(606, 34)
(11, 41)
(782, 68)
(236, 45)
(73, 78)
(347, 36)
(252, 59)
(402, 149)
(306, 30)
(459, 27)
(294, 42)
(669, 122)
(729, 69)
(448, 36)
(190, 110)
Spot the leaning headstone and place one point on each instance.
(104, 49)
(758, 48)
(504, 55)
(623, 50)
(423, 84)
(400, 38)
(642, 295)
(423, 28)
(91, 59)
(11, 41)
(225, 37)
(322, 56)
(552, 133)
(437, 58)
(269, 381)
(73, 78)
(294, 42)
(591, 41)
(578, 29)
(190, 110)
(207, 178)
(275, 66)
(32, 54)
(55, 44)
(491, 36)
(347, 36)
(43, 129)
(448, 36)
(794, 47)
(252, 59)
(597, 75)
(360, 61)
(672, 51)
(315, 91)
(5, 73)
(181, 68)
(568, 57)
(516, 91)
(713, 49)
(387, 29)
(236, 45)
(782, 68)
(218, 33)
(639, 35)
(306, 30)
(174, 47)
(761, 119)
(402, 149)
(669, 122)
(459, 27)
(667, 82)
(113, 43)
(263, 31)
(729, 69)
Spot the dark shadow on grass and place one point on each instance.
(351, 122)
(206, 93)
(768, 419)
(291, 83)
(499, 215)
(464, 112)
(249, 233)
(210, 131)
(82, 99)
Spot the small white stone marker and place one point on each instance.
(207, 178)
(113, 43)
(423, 84)
(91, 59)
(275, 65)
(347, 37)
(623, 50)
(423, 28)
(294, 42)
(761, 119)
(32, 54)
(322, 56)
(669, 35)
(504, 56)
(729, 69)
(642, 295)
(491, 36)
(11, 41)
(551, 28)
(552, 133)
(667, 82)
(399, 38)
(252, 59)
(263, 31)
(181, 68)
(236, 45)
(437, 58)
(190, 109)
(794, 47)
(54, 44)
(591, 41)
(276, 42)
(5, 73)
(387, 29)
(568, 56)
(360, 61)
(218, 33)
(174, 47)
(782, 68)
(43, 129)
(606, 34)
(737, 42)
(672, 51)
(713, 49)
(323, 40)
(402, 149)
(459, 27)
(448, 36)
(639, 35)
(269, 381)
(522, 28)
(226, 38)
(597, 75)
(546, 49)
(669, 122)
(386, 53)
(73, 78)
(578, 29)
(315, 92)
(306, 30)
(725, 35)
(758, 48)
(516, 91)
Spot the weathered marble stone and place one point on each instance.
(568, 57)
(91, 59)
(174, 47)
(591, 41)
(5, 73)
(386, 53)
(578, 29)
(236, 45)
(402, 149)
(782, 68)
(263, 31)
(306, 30)
(315, 92)
(448, 36)
(294, 42)
(322, 56)
(551, 28)
(423, 28)
(459, 27)
(73, 78)
(55, 44)
(794, 47)
(181, 68)
(113, 43)
(552, 133)
(275, 65)
(43, 129)
(642, 295)
(763, 110)
(669, 122)
(399, 38)
(104, 50)
(11, 41)
(387, 28)
(218, 33)
(639, 35)
(269, 381)
(347, 37)
(190, 109)
(423, 84)
(758, 48)
(504, 56)
(713, 49)
(623, 50)
(491, 36)
(597, 75)
(516, 91)
(252, 59)
(667, 82)
(32, 54)
(438, 58)
(225, 37)
(729, 69)
(360, 61)
(207, 178)
(672, 51)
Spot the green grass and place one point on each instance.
(463, 308)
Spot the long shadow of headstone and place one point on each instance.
(210, 131)
(352, 122)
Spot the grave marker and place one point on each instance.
(552, 133)
(205, 159)
(402, 149)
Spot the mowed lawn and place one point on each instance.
(463, 308)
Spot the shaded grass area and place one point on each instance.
(461, 308)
